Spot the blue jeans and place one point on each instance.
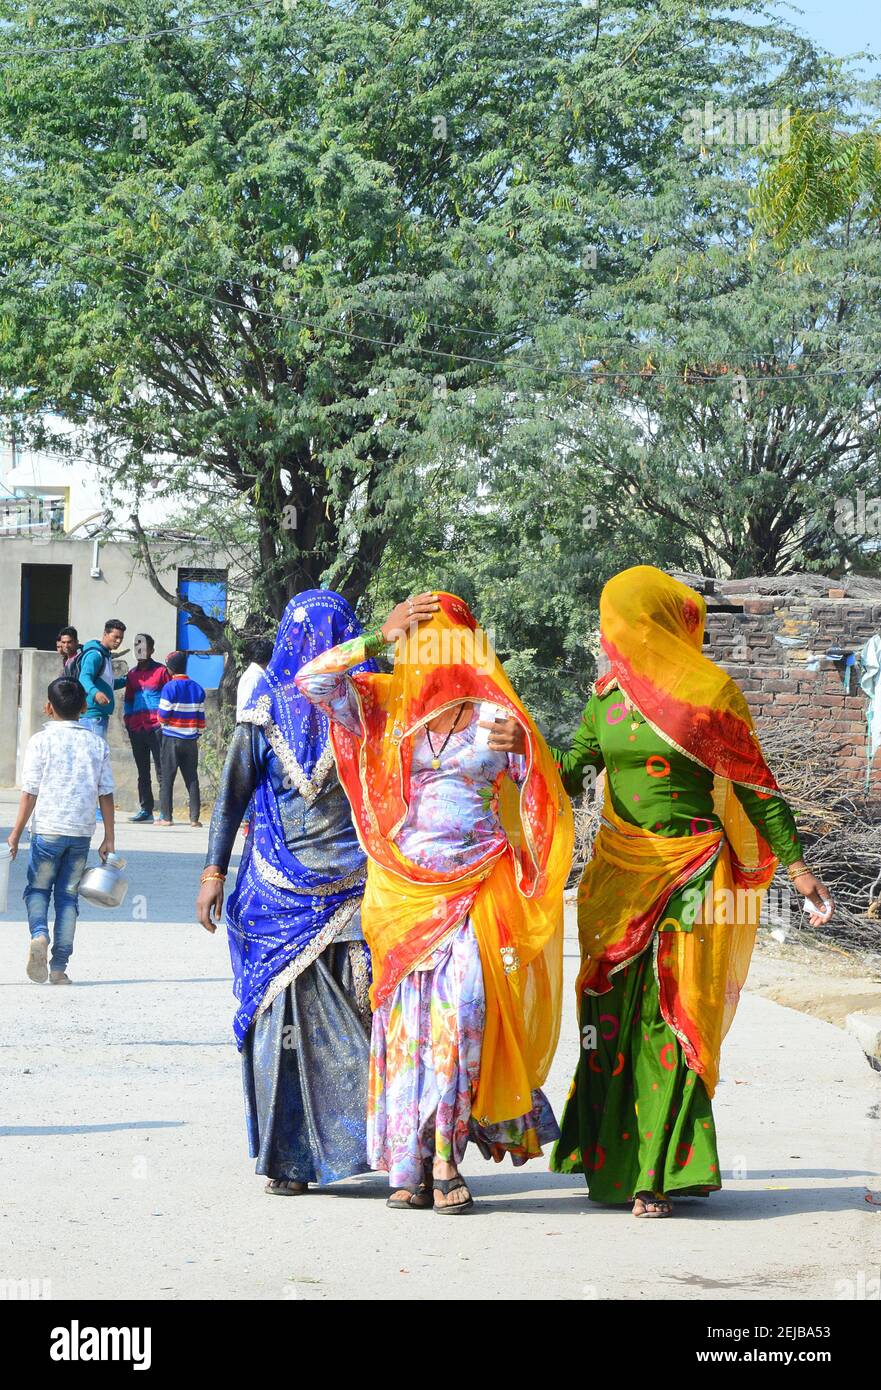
(97, 723)
(56, 862)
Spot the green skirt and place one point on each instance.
(636, 1119)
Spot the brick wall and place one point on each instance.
(771, 632)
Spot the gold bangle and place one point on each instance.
(206, 878)
(796, 869)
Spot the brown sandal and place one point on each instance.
(286, 1187)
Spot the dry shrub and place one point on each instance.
(841, 831)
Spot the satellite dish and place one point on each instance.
(92, 525)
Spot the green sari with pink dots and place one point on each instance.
(637, 1119)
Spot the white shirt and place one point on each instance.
(67, 767)
(247, 681)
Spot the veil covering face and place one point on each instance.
(651, 629)
(513, 895)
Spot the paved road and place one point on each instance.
(125, 1172)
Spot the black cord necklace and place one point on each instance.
(436, 757)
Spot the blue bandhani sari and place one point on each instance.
(282, 914)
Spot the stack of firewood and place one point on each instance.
(841, 832)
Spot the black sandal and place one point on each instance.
(401, 1199)
(418, 1198)
(447, 1185)
(662, 1205)
(286, 1187)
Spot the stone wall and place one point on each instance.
(774, 636)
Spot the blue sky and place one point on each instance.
(842, 26)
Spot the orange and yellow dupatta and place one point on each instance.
(651, 628)
(514, 895)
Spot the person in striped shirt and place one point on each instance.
(181, 715)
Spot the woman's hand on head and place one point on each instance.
(508, 735)
(416, 609)
(209, 904)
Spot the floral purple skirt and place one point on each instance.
(424, 1064)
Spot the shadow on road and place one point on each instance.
(514, 1192)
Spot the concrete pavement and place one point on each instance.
(125, 1173)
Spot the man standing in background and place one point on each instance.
(258, 651)
(182, 720)
(143, 687)
(97, 678)
(67, 644)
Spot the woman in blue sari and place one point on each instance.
(300, 966)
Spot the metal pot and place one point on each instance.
(104, 884)
(5, 862)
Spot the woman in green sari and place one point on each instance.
(693, 827)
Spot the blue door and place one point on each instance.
(207, 588)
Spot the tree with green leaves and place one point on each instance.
(829, 176)
(719, 410)
(734, 399)
(279, 253)
(448, 283)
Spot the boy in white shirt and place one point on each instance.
(66, 770)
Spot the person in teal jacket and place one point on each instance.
(97, 678)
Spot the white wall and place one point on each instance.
(38, 473)
(121, 592)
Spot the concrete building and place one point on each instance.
(63, 562)
(83, 582)
(48, 489)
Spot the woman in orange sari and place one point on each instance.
(693, 827)
(468, 847)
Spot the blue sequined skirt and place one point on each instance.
(305, 1062)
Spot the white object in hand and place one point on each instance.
(486, 711)
(811, 910)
